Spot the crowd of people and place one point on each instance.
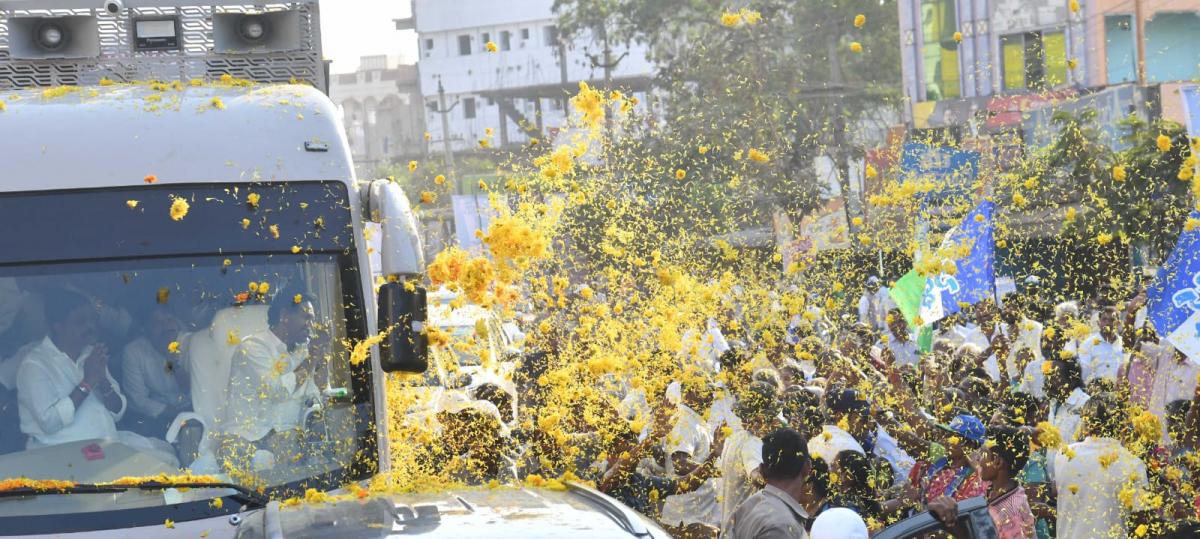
(1072, 419)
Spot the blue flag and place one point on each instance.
(974, 275)
(1174, 297)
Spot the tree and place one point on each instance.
(778, 76)
(1133, 193)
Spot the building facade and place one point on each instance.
(521, 90)
(962, 59)
(383, 112)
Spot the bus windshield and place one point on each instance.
(225, 368)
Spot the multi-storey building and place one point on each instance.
(989, 61)
(519, 91)
(382, 110)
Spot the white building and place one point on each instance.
(521, 90)
(382, 110)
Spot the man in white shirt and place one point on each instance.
(686, 447)
(1021, 333)
(874, 305)
(1101, 354)
(1032, 380)
(985, 334)
(156, 379)
(1064, 387)
(64, 390)
(271, 378)
(899, 342)
(739, 461)
(1100, 472)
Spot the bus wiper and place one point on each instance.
(244, 495)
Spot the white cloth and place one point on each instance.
(839, 523)
(1033, 380)
(831, 441)
(873, 308)
(741, 456)
(9, 366)
(1028, 337)
(906, 352)
(887, 448)
(149, 384)
(1099, 358)
(1171, 378)
(721, 412)
(1088, 492)
(263, 390)
(690, 435)
(713, 345)
(971, 333)
(1066, 416)
(45, 381)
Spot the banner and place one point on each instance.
(1174, 296)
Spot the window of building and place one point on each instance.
(940, 52)
(551, 35)
(428, 44)
(1172, 42)
(524, 33)
(1120, 52)
(487, 36)
(505, 40)
(1034, 61)
(464, 45)
(469, 108)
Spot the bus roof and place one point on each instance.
(117, 135)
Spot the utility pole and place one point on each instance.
(1139, 15)
(608, 65)
(444, 111)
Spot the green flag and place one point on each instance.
(907, 293)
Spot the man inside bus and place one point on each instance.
(64, 390)
(273, 384)
(155, 376)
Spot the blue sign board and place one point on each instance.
(951, 170)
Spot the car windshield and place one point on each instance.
(213, 368)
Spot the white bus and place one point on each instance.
(185, 287)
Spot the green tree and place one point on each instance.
(784, 82)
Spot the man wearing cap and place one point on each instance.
(775, 511)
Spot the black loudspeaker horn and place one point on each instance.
(275, 31)
(34, 38)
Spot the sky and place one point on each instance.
(354, 28)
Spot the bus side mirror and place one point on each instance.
(405, 347)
